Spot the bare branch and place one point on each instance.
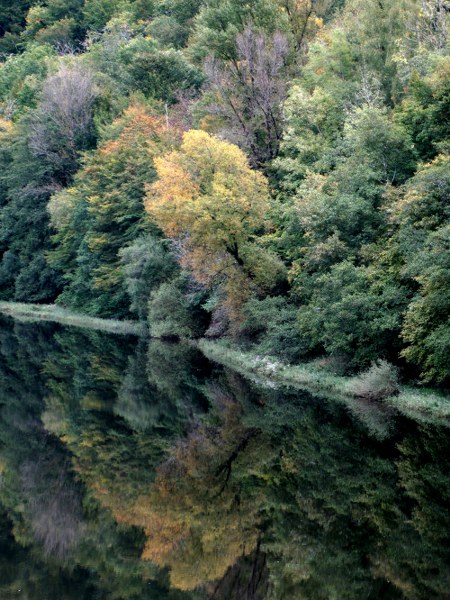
(250, 92)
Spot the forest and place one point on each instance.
(272, 174)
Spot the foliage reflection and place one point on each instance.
(138, 470)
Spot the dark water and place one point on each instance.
(140, 471)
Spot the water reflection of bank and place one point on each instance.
(142, 472)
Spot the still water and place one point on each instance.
(136, 470)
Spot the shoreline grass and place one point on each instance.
(423, 404)
(57, 314)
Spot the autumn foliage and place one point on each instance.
(213, 205)
(103, 211)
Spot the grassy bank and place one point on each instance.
(57, 314)
(418, 403)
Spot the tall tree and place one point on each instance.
(213, 205)
(40, 157)
(103, 212)
(246, 94)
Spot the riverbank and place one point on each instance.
(418, 403)
(422, 404)
(58, 314)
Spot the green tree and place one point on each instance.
(39, 157)
(128, 60)
(22, 77)
(354, 312)
(424, 109)
(426, 326)
(58, 22)
(12, 24)
(421, 247)
(218, 23)
(174, 20)
(176, 312)
(146, 264)
(344, 307)
(103, 212)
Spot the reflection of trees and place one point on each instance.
(230, 492)
(201, 514)
(38, 475)
(160, 392)
(345, 525)
(330, 479)
(177, 371)
(53, 503)
(116, 457)
(197, 518)
(35, 576)
(414, 552)
(47, 507)
(117, 416)
(40, 502)
(247, 579)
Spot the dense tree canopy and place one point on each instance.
(208, 199)
(292, 157)
(103, 212)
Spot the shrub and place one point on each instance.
(378, 382)
(271, 325)
(146, 264)
(174, 313)
(354, 311)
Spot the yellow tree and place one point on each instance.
(210, 201)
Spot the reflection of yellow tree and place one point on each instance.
(199, 511)
(200, 516)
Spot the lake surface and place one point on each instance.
(136, 470)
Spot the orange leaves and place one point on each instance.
(136, 137)
(192, 519)
(138, 127)
(165, 535)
